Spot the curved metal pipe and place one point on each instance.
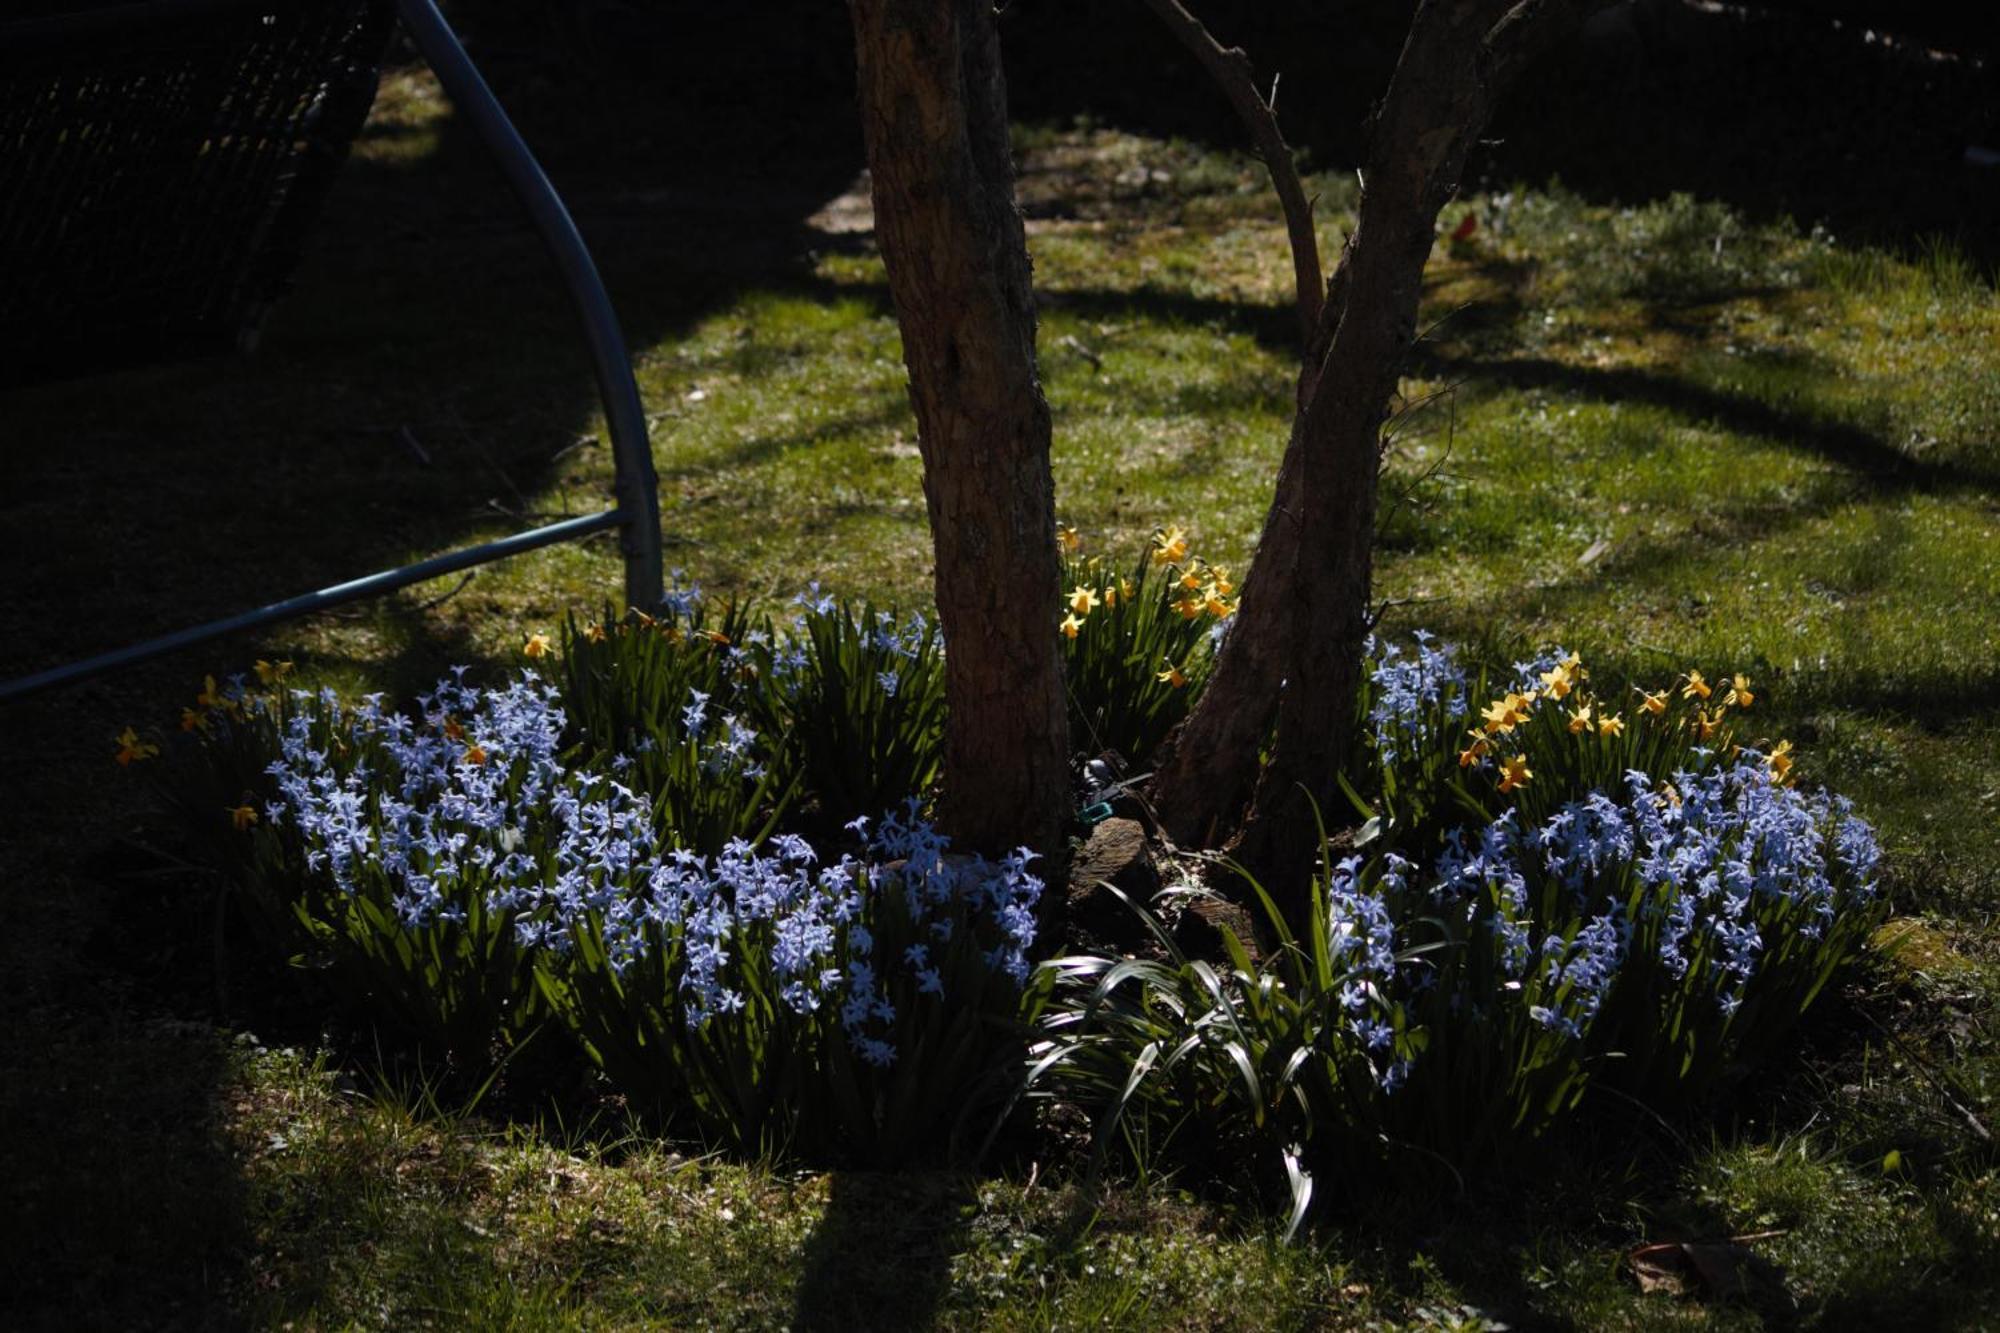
(338, 595)
(638, 484)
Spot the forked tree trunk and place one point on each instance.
(934, 111)
(1296, 649)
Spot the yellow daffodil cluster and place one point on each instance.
(1197, 588)
(1204, 591)
(1584, 713)
(1201, 588)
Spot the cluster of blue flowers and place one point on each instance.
(1409, 687)
(1361, 938)
(889, 643)
(1720, 854)
(474, 803)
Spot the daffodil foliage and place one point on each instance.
(1137, 647)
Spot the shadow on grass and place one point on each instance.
(1885, 467)
(123, 1208)
(881, 1255)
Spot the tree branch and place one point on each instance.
(1230, 68)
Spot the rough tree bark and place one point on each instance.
(934, 112)
(1305, 605)
(1208, 769)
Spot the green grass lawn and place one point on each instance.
(1660, 436)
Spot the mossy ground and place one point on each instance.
(1660, 435)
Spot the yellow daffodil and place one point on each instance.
(1219, 580)
(1673, 795)
(1505, 714)
(1169, 547)
(452, 730)
(1780, 760)
(1070, 626)
(1559, 682)
(475, 754)
(1125, 588)
(190, 720)
(1067, 541)
(1474, 752)
(1216, 605)
(242, 817)
(1579, 721)
(131, 749)
(595, 633)
(210, 696)
(1739, 695)
(716, 637)
(1110, 595)
(1189, 606)
(537, 646)
(1611, 726)
(1082, 599)
(269, 673)
(1705, 723)
(1696, 687)
(1172, 675)
(1190, 580)
(1514, 773)
(1652, 703)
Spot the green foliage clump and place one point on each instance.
(855, 698)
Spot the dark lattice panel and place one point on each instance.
(159, 165)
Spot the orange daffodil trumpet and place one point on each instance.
(536, 647)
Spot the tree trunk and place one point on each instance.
(933, 105)
(1297, 645)
(1437, 103)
